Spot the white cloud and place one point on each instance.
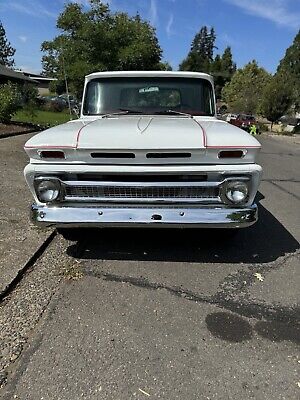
(169, 25)
(29, 7)
(274, 10)
(153, 13)
(23, 38)
(228, 39)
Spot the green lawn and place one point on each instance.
(43, 117)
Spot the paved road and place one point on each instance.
(171, 314)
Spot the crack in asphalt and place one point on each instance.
(283, 190)
(278, 154)
(239, 282)
(280, 180)
(232, 285)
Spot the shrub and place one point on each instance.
(29, 93)
(262, 127)
(10, 100)
(53, 106)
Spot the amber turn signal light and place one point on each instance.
(231, 154)
(52, 154)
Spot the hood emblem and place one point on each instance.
(143, 124)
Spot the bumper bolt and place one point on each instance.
(42, 214)
(100, 213)
(181, 213)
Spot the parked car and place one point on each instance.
(245, 121)
(289, 120)
(230, 117)
(52, 103)
(72, 100)
(146, 151)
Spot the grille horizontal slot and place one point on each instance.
(168, 155)
(130, 179)
(112, 155)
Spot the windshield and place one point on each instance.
(149, 96)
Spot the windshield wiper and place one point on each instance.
(166, 112)
(123, 111)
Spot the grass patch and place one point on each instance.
(44, 118)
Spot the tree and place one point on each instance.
(222, 69)
(277, 98)
(290, 67)
(245, 90)
(6, 50)
(200, 57)
(99, 40)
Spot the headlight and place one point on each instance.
(236, 191)
(47, 190)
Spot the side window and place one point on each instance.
(93, 97)
(207, 99)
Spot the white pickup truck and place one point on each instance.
(147, 151)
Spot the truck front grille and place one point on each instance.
(148, 193)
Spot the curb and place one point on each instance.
(33, 258)
(18, 133)
(31, 128)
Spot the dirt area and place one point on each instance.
(6, 129)
(290, 139)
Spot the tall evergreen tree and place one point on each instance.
(289, 67)
(228, 65)
(200, 56)
(6, 50)
(222, 69)
(201, 59)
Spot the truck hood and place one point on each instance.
(132, 132)
(144, 133)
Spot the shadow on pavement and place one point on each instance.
(264, 242)
(233, 328)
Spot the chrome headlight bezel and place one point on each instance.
(236, 192)
(48, 190)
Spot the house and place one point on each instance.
(7, 74)
(42, 82)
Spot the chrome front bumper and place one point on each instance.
(179, 217)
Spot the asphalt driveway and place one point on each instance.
(168, 314)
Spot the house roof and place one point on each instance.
(9, 73)
(38, 77)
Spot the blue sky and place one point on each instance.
(255, 29)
